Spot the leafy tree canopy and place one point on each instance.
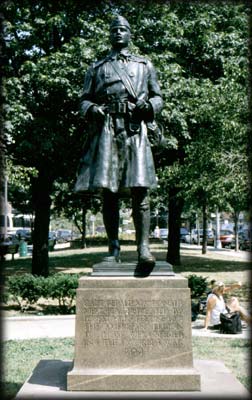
(200, 51)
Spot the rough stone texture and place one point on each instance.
(48, 381)
(135, 380)
(133, 334)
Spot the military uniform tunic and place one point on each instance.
(117, 154)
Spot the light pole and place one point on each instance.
(218, 244)
(5, 206)
(156, 214)
(92, 219)
(198, 229)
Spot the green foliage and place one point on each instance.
(200, 53)
(63, 288)
(198, 285)
(19, 187)
(4, 297)
(26, 289)
(205, 85)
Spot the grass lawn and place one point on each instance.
(21, 357)
(224, 266)
(214, 265)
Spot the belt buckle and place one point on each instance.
(122, 108)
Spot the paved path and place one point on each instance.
(19, 328)
(230, 253)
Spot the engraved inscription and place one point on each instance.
(133, 324)
(134, 351)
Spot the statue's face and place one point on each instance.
(119, 36)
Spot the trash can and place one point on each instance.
(23, 251)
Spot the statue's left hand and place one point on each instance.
(143, 105)
(143, 109)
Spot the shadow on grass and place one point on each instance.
(83, 259)
(203, 264)
(242, 344)
(10, 389)
(57, 263)
(40, 309)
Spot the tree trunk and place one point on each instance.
(204, 239)
(41, 188)
(175, 207)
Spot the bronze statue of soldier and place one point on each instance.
(121, 94)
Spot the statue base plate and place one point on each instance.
(108, 268)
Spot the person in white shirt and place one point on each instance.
(217, 305)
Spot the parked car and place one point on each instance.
(163, 233)
(193, 237)
(130, 231)
(100, 230)
(52, 240)
(8, 245)
(64, 235)
(183, 233)
(245, 239)
(227, 238)
(12, 238)
(24, 233)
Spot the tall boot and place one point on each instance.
(111, 223)
(141, 217)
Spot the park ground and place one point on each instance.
(224, 265)
(21, 356)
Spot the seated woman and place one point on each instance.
(216, 305)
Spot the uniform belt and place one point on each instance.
(118, 107)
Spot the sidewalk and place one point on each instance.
(231, 253)
(21, 328)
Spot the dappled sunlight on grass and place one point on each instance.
(81, 259)
(206, 264)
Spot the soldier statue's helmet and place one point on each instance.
(119, 21)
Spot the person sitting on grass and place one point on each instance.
(216, 305)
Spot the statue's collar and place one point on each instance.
(114, 53)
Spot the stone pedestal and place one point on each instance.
(133, 334)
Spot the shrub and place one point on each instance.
(198, 285)
(4, 296)
(63, 288)
(25, 289)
